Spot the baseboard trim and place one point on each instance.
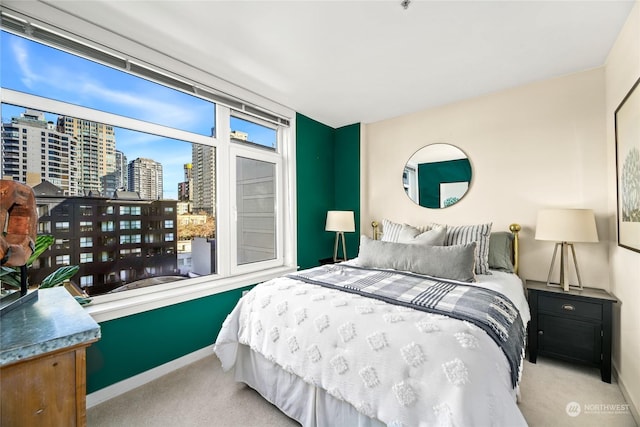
(625, 393)
(129, 384)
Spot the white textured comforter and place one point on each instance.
(395, 364)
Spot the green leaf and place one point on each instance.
(43, 241)
(10, 276)
(82, 300)
(59, 276)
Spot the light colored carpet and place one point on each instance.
(202, 395)
(549, 385)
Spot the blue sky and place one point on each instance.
(37, 69)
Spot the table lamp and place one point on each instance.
(340, 222)
(566, 227)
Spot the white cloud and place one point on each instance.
(58, 80)
(21, 54)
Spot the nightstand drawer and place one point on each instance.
(570, 307)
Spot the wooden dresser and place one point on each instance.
(42, 361)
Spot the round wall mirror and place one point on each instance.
(437, 176)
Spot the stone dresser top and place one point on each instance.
(51, 322)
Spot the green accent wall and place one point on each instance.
(328, 177)
(431, 175)
(347, 180)
(315, 183)
(133, 344)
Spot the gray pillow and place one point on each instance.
(500, 249)
(480, 233)
(456, 262)
(414, 236)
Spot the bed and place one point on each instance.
(389, 338)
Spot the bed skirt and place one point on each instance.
(310, 406)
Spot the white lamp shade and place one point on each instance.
(566, 225)
(340, 221)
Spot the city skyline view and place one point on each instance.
(44, 71)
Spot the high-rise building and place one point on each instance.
(117, 180)
(145, 178)
(185, 188)
(96, 153)
(33, 151)
(204, 178)
(122, 171)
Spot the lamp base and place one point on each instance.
(566, 288)
(335, 247)
(564, 267)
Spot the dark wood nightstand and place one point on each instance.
(324, 261)
(574, 325)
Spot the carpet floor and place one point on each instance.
(200, 394)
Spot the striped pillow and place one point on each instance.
(480, 233)
(390, 231)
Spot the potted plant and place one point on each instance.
(11, 275)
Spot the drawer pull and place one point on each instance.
(568, 307)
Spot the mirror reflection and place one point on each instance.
(437, 176)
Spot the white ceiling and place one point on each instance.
(342, 62)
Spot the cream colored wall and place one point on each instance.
(622, 70)
(531, 147)
(547, 144)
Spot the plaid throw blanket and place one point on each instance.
(487, 309)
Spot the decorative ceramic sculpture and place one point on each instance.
(18, 221)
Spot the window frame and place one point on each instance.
(228, 276)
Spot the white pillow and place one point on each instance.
(413, 236)
(391, 230)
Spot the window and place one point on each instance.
(152, 238)
(130, 210)
(124, 163)
(255, 199)
(106, 226)
(86, 257)
(106, 210)
(130, 238)
(62, 260)
(130, 225)
(43, 210)
(44, 227)
(86, 281)
(252, 132)
(62, 244)
(62, 226)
